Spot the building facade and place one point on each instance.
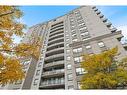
(84, 30)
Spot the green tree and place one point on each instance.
(103, 71)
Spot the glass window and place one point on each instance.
(68, 58)
(75, 40)
(79, 85)
(85, 34)
(70, 77)
(39, 65)
(79, 71)
(69, 66)
(68, 51)
(67, 39)
(67, 44)
(73, 35)
(101, 44)
(38, 72)
(77, 50)
(67, 35)
(78, 59)
(35, 81)
(88, 47)
(84, 39)
(71, 87)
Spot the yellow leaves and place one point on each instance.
(1, 58)
(103, 71)
(10, 66)
(99, 62)
(10, 53)
(12, 71)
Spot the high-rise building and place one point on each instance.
(84, 30)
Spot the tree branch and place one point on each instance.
(6, 13)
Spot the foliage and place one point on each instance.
(11, 52)
(104, 72)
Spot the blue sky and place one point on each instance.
(38, 14)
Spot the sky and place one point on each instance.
(117, 15)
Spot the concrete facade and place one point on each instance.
(84, 30)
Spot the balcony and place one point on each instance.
(53, 45)
(56, 30)
(95, 9)
(56, 41)
(55, 33)
(108, 24)
(55, 85)
(57, 63)
(98, 12)
(53, 73)
(55, 50)
(113, 30)
(54, 56)
(56, 36)
(104, 19)
(55, 27)
(101, 15)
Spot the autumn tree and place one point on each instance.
(104, 71)
(11, 52)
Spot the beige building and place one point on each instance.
(84, 30)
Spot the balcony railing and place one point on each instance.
(101, 15)
(108, 24)
(57, 29)
(54, 72)
(58, 32)
(56, 37)
(54, 56)
(43, 84)
(56, 41)
(54, 64)
(55, 44)
(55, 49)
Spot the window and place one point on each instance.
(39, 65)
(38, 72)
(78, 59)
(35, 81)
(69, 66)
(77, 50)
(79, 85)
(75, 40)
(101, 44)
(88, 47)
(81, 28)
(68, 51)
(85, 34)
(84, 39)
(67, 39)
(71, 87)
(69, 76)
(67, 35)
(73, 35)
(79, 71)
(68, 58)
(67, 44)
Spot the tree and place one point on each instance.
(103, 71)
(11, 52)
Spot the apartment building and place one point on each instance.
(84, 30)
